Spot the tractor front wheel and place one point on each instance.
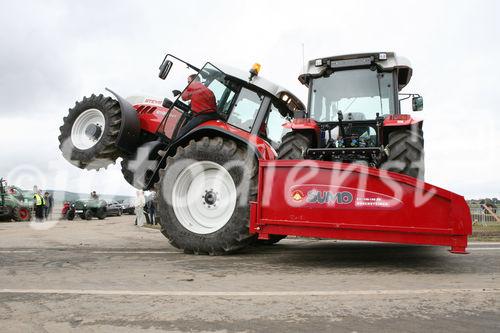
(90, 131)
(293, 146)
(406, 152)
(204, 194)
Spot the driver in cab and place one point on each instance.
(203, 104)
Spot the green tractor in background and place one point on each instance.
(13, 204)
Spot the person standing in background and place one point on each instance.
(140, 201)
(39, 204)
(151, 210)
(49, 203)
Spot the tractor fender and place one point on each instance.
(130, 128)
(260, 148)
(401, 120)
(303, 124)
(211, 131)
(397, 122)
(306, 125)
(266, 153)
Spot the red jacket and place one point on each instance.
(202, 99)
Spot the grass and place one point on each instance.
(486, 233)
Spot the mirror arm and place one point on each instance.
(188, 64)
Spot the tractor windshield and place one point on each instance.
(360, 94)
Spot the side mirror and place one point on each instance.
(165, 67)
(167, 103)
(417, 103)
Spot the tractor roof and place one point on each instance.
(286, 96)
(386, 61)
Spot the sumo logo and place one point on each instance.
(324, 197)
(297, 195)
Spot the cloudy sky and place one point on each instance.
(55, 52)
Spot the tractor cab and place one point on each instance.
(359, 86)
(244, 101)
(354, 112)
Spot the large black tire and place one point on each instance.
(104, 151)
(406, 152)
(139, 169)
(234, 234)
(21, 214)
(293, 146)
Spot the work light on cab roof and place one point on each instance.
(254, 71)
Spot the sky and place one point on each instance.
(55, 52)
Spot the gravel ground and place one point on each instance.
(113, 276)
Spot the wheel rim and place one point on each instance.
(88, 129)
(204, 197)
(23, 214)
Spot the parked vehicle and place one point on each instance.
(87, 209)
(12, 206)
(114, 208)
(128, 207)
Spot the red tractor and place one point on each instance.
(354, 114)
(216, 163)
(220, 186)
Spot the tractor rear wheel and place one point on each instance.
(204, 194)
(406, 152)
(21, 214)
(90, 131)
(139, 169)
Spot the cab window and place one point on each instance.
(274, 125)
(245, 109)
(223, 96)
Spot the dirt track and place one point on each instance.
(110, 275)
